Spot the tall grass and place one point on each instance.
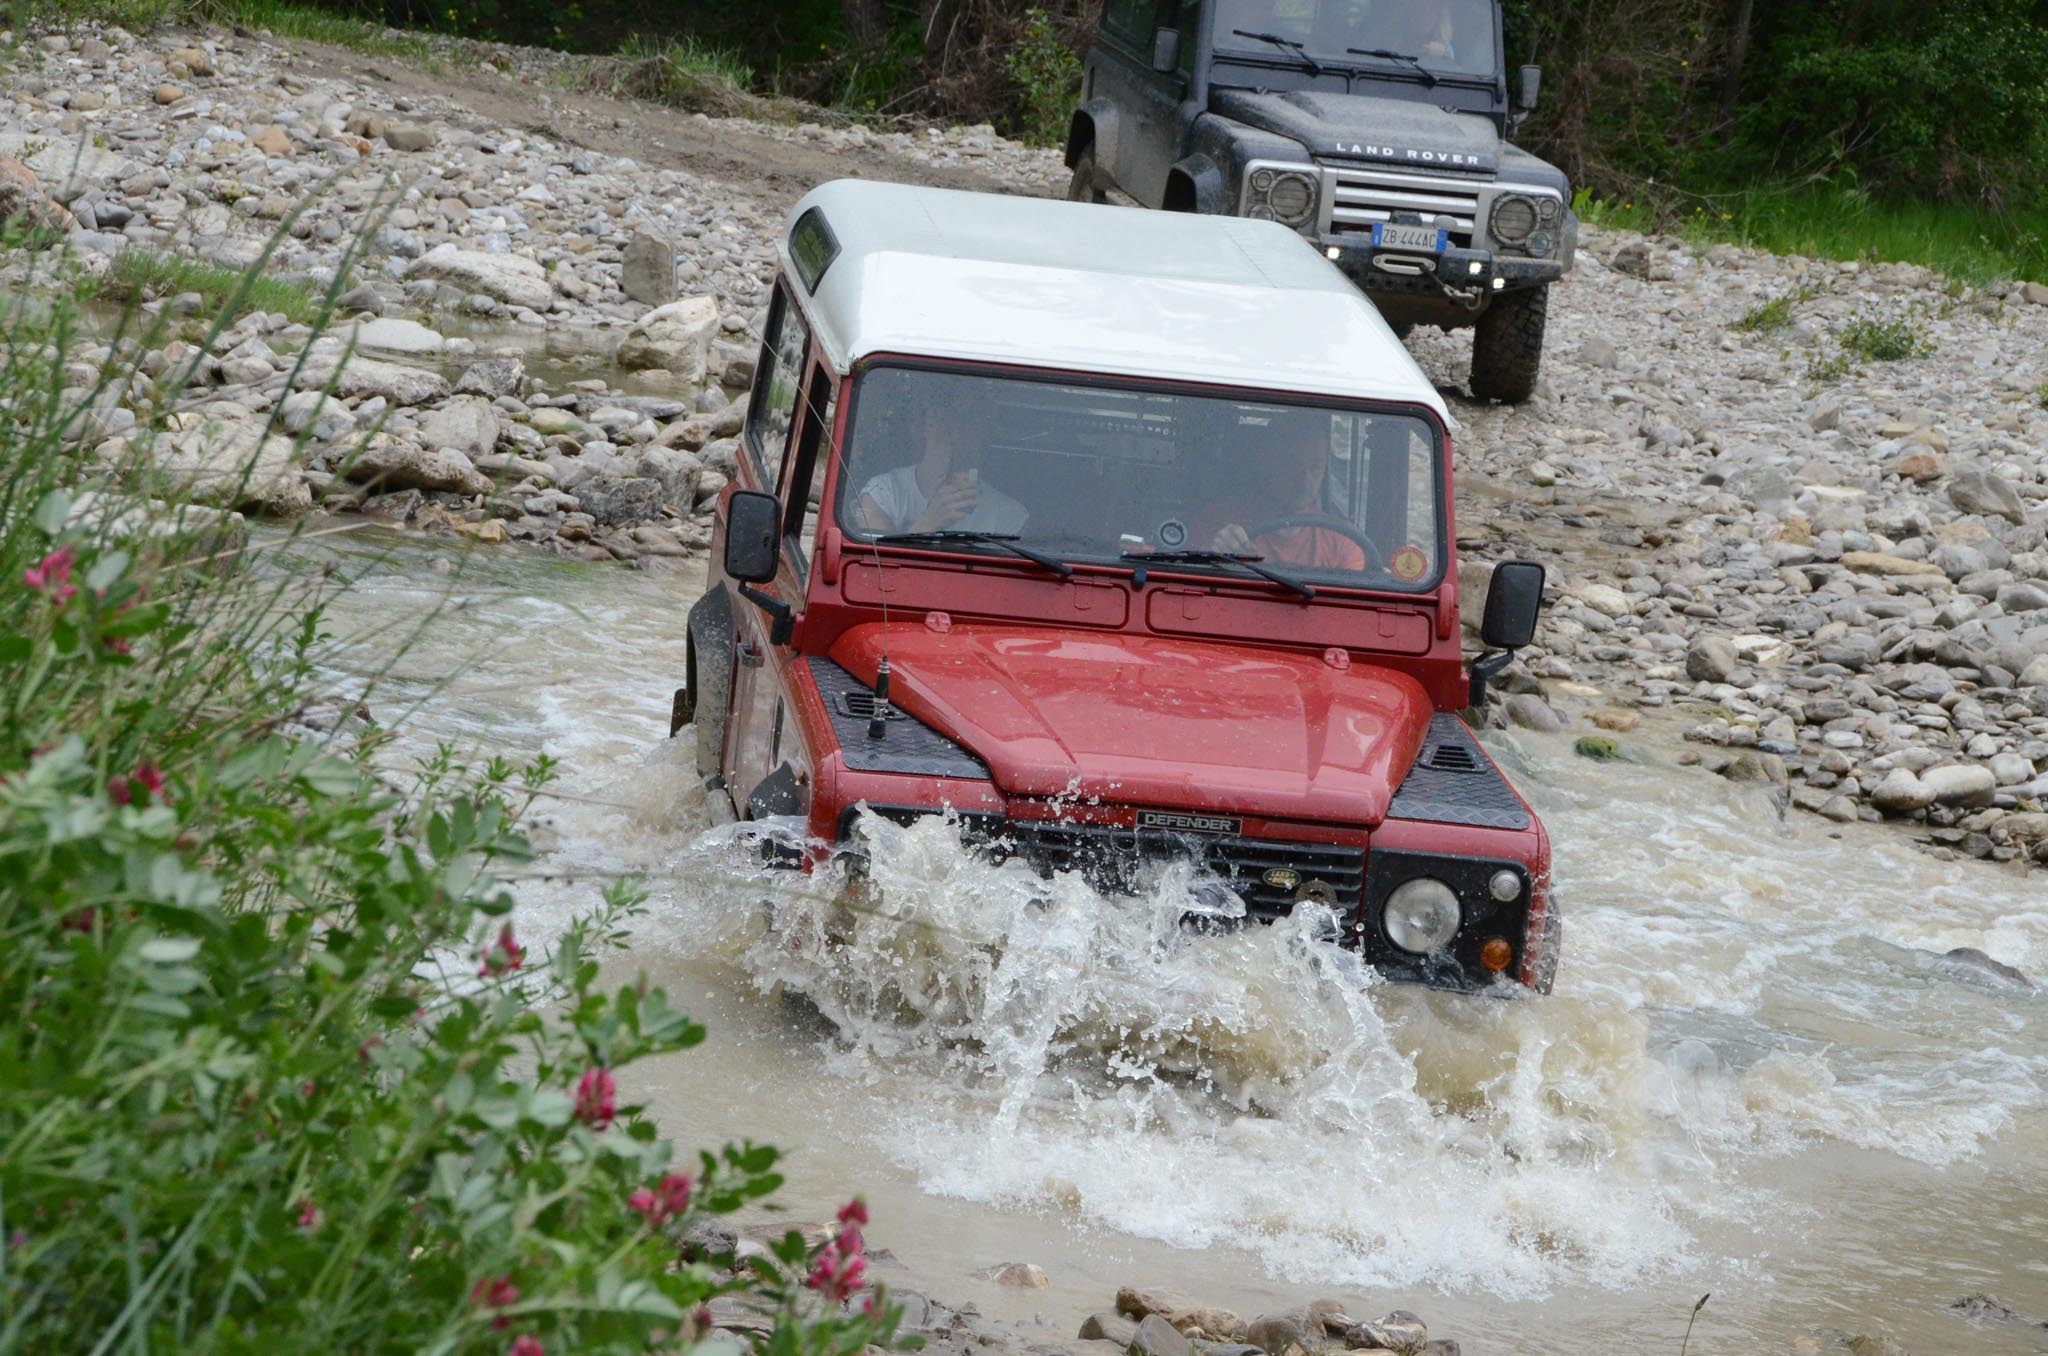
(276, 1071)
(1841, 222)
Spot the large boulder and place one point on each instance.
(388, 464)
(624, 502)
(232, 465)
(647, 272)
(408, 338)
(675, 337)
(24, 203)
(510, 278)
(364, 378)
(1987, 493)
(467, 423)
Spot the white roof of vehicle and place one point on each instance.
(1076, 286)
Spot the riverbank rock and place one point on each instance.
(233, 465)
(647, 270)
(509, 278)
(388, 464)
(24, 203)
(675, 337)
(1183, 1312)
(1971, 966)
(367, 378)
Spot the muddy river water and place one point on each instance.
(1755, 1078)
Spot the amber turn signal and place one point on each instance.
(1496, 954)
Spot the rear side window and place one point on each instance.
(778, 383)
(1131, 19)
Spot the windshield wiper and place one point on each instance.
(1242, 559)
(1428, 76)
(1006, 541)
(1289, 43)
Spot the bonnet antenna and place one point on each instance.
(878, 723)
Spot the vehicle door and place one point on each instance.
(773, 431)
(1147, 137)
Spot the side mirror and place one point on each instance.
(1513, 600)
(1528, 88)
(753, 537)
(1166, 50)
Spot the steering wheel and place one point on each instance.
(1328, 523)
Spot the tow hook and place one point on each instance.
(1471, 298)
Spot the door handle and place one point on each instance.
(750, 655)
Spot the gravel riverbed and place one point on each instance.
(1805, 566)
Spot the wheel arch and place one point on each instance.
(1195, 184)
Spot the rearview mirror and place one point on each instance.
(1513, 600)
(1166, 50)
(753, 537)
(1528, 87)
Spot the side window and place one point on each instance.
(800, 492)
(777, 383)
(1130, 20)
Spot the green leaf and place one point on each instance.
(53, 512)
(169, 950)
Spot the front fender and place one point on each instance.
(1196, 184)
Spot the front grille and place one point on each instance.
(1116, 861)
(1360, 197)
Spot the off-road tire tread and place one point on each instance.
(1084, 172)
(1507, 346)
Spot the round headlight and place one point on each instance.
(1260, 212)
(1513, 219)
(1548, 208)
(1540, 243)
(1422, 916)
(1505, 886)
(1293, 198)
(1262, 180)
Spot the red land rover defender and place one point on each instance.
(1124, 537)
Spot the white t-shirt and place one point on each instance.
(901, 499)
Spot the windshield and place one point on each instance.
(1453, 37)
(1098, 473)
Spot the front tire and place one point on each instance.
(1507, 346)
(1083, 187)
(710, 691)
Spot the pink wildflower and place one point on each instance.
(52, 575)
(138, 786)
(502, 956)
(496, 1292)
(526, 1344)
(840, 1267)
(595, 1092)
(309, 1215)
(668, 1200)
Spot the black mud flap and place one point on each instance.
(681, 709)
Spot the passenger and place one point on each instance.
(1287, 483)
(942, 489)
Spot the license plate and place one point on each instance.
(1427, 239)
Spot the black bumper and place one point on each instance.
(1452, 272)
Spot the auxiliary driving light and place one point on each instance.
(1505, 886)
(1499, 283)
(1334, 252)
(1496, 955)
(1422, 916)
(1477, 268)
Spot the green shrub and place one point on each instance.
(1881, 339)
(1047, 77)
(277, 1072)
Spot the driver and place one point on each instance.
(1428, 27)
(942, 489)
(1287, 482)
